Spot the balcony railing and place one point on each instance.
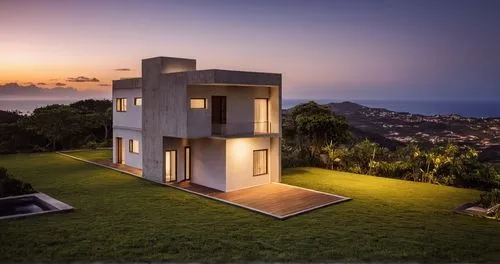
(241, 129)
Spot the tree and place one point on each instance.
(56, 123)
(311, 126)
(96, 113)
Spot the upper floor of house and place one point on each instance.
(174, 99)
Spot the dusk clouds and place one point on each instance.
(104, 84)
(122, 69)
(41, 83)
(82, 79)
(60, 84)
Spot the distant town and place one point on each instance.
(481, 133)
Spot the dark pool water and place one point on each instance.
(22, 206)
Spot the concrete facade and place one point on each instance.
(166, 122)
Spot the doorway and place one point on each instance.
(187, 163)
(170, 165)
(119, 150)
(219, 108)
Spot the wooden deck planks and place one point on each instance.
(278, 200)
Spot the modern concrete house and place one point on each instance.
(216, 128)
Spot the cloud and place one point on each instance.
(28, 83)
(41, 83)
(60, 84)
(122, 69)
(81, 79)
(104, 84)
(53, 80)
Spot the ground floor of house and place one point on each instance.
(224, 164)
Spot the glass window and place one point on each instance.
(198, 103)
(138, 101)
(260, 116)
(121, 104)
(259, 162)
(133, 146)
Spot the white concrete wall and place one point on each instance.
(208, 159)
(131, 159)
(132, 118)
(239, 162)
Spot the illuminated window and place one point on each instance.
(121, 104)
(259, 162)
(198, 103)
(133, 146)
(138, 101)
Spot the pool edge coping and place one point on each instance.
(56, 205)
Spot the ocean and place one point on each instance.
(428, 107)
(27, 106)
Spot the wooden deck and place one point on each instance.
(275, 199)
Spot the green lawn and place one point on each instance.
(98, 154)
(120, 217)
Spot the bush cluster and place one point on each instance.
(446, 165)
(10, 186)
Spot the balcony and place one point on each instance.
(248, 129)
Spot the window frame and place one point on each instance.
(121, 104)
(266, 165)
(131, 146)
(135, 101)
(198, 98)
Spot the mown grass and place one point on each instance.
(98, 154)
(120, 217)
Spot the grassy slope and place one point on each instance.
(120, 217)
(98, 154)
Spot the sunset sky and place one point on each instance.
(325, 49)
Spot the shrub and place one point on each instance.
(489, 199)
(91, 145)
(10, 186)
(105, 144)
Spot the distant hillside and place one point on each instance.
(15, 91)
(392, 129)
(348, 109)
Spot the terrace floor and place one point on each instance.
(275, 199)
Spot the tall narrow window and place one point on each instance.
(138, 101)
(261, 123)
(198, 103)
(259, 162)
(170, 165)
(121, 104)
(133, 146)
(187, 164)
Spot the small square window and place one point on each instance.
(121, 104)
(198, 103)
(138, 101)
(133, 146)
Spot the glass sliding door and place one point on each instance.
(261, 124)
(170, 165)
